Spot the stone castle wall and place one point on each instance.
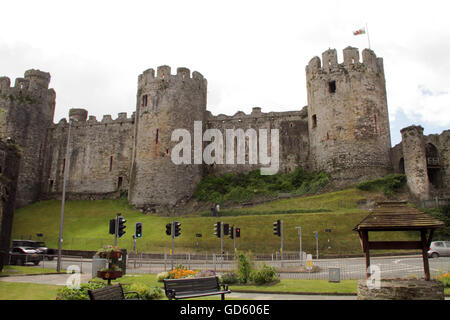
(347, 116)
(293, 137)
(100, 156)
(344, 130)
(27, 111)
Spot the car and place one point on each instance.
(21, 255)
(37, 245)
(439, 249)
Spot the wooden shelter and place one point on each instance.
(397, 216)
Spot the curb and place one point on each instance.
(297, 293)
(29, 274)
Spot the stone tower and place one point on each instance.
(165, 102)
(27, 111)
(348, 119)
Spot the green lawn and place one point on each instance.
(19, 270)
(86, 225)
(27, 291)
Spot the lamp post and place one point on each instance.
(66, 177)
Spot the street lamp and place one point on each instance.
(66, 177)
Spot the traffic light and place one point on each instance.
(121, 220)
(231, 234)
(238, 232)
(112, 226)
(169, 229)
(226, 229)
(138, 230)
(177, 228)
(277, 228)
(217, 229)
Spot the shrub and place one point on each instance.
(265, 274)
(245, 266)
(161, 276)
(445, 279)
(242, 187)
(388, 185)
(205, 273)
(229, 278)
(67, 293)
(144, 291)
(181, 272)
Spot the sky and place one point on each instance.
(253, 53)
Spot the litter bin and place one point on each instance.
(97, 264)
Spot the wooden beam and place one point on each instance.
(426, 265)
(381, 245)
(365, 240)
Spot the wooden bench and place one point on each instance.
(194, 287)
(113, 292)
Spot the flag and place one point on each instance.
(360, 31)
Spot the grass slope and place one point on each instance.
(86, 225)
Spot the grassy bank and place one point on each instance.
(86, 225)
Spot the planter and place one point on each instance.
(109, 275)
(110, 255)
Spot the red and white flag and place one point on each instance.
(360, 31)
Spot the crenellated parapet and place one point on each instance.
(256, 115)
(35, 83)
(351, 63)
(83, 120)
(164, 78)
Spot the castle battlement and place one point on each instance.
(35, 83)
(148, 77)
(255, 115)
(82, 119)
(351, 62)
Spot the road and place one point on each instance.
(350, 268)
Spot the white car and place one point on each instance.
(439, 249)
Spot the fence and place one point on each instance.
(291, 266)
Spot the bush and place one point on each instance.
(205, 273)
(161, 276)
(67, 293)
(445, 279)
(266, 274)
(245, 266)
(242, 187)
(229, 278)
(144, 291)
(388, 185)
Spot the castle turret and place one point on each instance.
(348, 116)
(27, 113)
(415, 161)
(165, 102)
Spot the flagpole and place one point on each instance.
(368, 37)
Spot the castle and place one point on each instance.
(344, 130)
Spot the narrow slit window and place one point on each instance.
(50, 188)
(63, 165)
(332, 86)
(157, 136)
(144, 100)
(119, 182)
(314, 121)
(110, 163)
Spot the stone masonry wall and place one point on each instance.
(293, 138)
(347, 116)
(100, 157)
(26, 113)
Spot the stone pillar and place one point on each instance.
(415, 160)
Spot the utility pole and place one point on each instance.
(66, 177)
(317, 244)
(300, 240)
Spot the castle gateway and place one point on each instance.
(344, 130)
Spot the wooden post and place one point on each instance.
(426, 265)
(364, 239)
